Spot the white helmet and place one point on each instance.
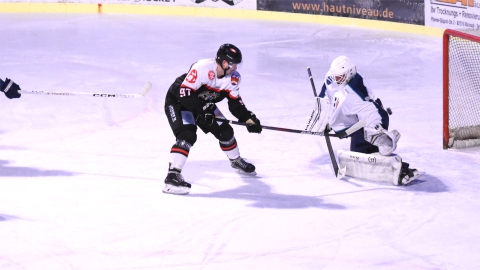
(342, 70)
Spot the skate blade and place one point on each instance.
(416, 175)
(245, 173)
(171, 189)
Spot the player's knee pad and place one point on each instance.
(188, 134)
(224, 132)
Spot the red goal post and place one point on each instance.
(461, 88)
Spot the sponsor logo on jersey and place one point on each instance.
(192, 76)
(172, 113)
(209, 95)
(235, 78)
(211, 75)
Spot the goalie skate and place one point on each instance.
(242, 167)
(175, 184)
(407, 175)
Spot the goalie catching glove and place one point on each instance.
(385, 140)
(11, 89)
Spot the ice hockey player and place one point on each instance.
(10, 89)
(346, 99)
(190, 102)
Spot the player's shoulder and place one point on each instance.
(357, 81)
(358, 87)
(358, 78)
(205, 67)
(235, 79)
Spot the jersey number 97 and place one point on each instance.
(184, 92)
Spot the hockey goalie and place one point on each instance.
(344, 100)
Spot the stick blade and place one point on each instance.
(342, 172)
(147, 88)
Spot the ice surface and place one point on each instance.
(81, 178)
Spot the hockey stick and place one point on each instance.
(360, 124)
(145, 89)
(342, 134)
(330, 150)
(316, 112)
(311, 81)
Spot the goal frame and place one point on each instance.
(446, 57)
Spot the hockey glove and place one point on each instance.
(253, 124)
(11, 89)
(207, 117)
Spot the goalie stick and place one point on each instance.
(330, 150)
(326, 132)
(360, 124)
(342, 134)
(145, 89)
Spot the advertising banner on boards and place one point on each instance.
(232, 4)
(453, 14)
(402, 11)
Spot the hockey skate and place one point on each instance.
(242, 167)
(175, 184)
(407, 175)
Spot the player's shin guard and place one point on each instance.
(230, 148)
(179, 154)
(373, 167)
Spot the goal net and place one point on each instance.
(461, 88)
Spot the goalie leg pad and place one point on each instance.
(373, 167)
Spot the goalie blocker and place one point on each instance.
(375, 167)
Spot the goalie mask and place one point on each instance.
(342, 70)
